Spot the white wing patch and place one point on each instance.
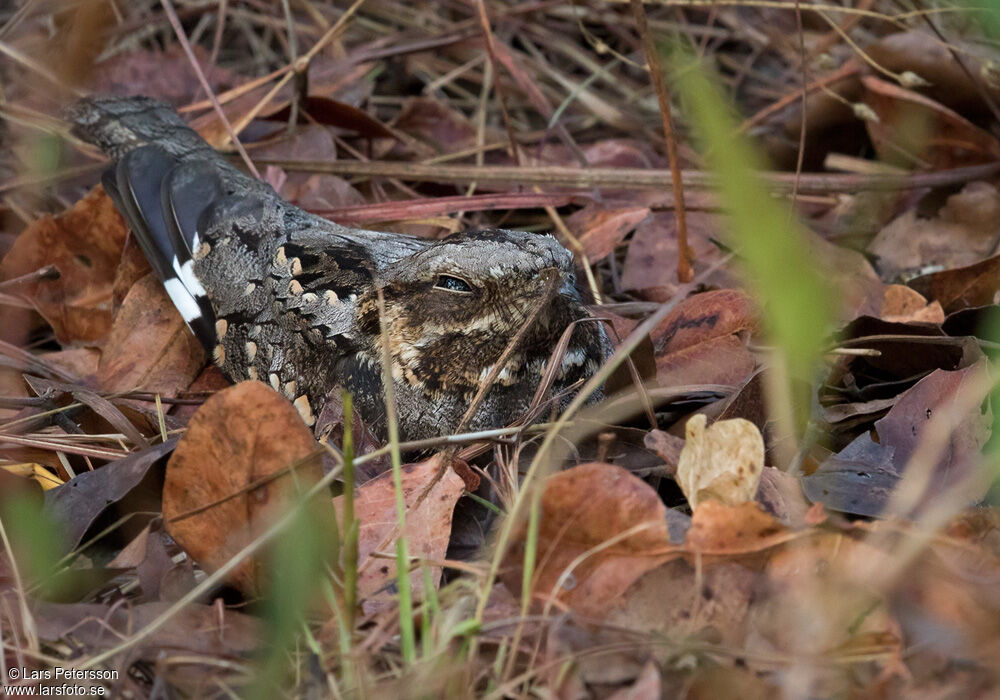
(182, 299)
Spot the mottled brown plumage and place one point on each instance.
(291, 299)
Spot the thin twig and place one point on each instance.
(685, 255)
(634, 178)
(186, 45)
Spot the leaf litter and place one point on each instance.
(688, 542)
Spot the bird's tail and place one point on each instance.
(165, 180)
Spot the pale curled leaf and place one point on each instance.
(722, 463)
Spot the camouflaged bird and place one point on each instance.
(280, 295)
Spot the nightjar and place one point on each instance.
(289, 298)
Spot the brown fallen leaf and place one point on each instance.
(712, 682)
(901, 361)
(76, 362)
(858, 287)
(311, 191)
(667, 446)
(326, 79)
(861, 478)
(75, 505)
(965, 230)
(132, 268)
(702, 317)
(599, 229)
(744, 528)
(905, 305)
(210, 381)
(166, 75)
(651, 259)
(428, 527)
(963, 287)
(200, 630)
(587, 510)
(147, 554)
(780, 494)
(946, 138)
(329, 428)
(699, 342)
(678, 601)
(149, 346)
(238, 439)
(85, 244)
(956, 85)
(330, 112)
(830, 570)
(721, 360)
(722, 462)
(436, 124)
(953, 588)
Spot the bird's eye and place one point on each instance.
(453, 284)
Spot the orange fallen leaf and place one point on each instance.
(702, 317)
(600, 526)
(721, 360)
(85, 244)
(700, 342)
(717, 528)
(234, 442)
(905, 305)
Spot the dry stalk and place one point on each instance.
(685, 255)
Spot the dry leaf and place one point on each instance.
(964, 287)
(199, 630)
(428, 526)
(952, 84)
(651, 260)
(862, 477)
(166, 75)
(946, 138)
(437, 124)
(677, 600)
(237, 439)
(717, 528)
(700, 342)
(667, 446)
(702, 317)
(722, 462)
(600, 229)
(583, 510)
(85, 244)
(76, 362)
(964, 231)
(905, 305)
(149, 347)
(76, 504)
(721, 360)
